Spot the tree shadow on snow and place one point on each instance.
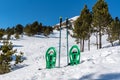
(87, 77)
(110, 76)
(114, 44)
(39, 36)
(17, 46)
(14, 68)
(13, 45)
(46, 37)
(18, 66)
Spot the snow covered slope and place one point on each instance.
(100, 64)
(72, 20)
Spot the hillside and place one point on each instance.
(71, 22)
(100, 64)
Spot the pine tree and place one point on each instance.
(19, 29)
(17, 36)
(114, 31)
(117, 27)
(111, 33)
(2, 32)
(6, 53)
(28, 30)
(40, 28)
(8, 36)
(34, 27)
(10, 31)
(82, 26)
(47, 31)
(19, 58)
(101, 18)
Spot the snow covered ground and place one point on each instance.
(100, 64)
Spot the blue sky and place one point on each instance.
(13, 12)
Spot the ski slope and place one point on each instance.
(100, 64)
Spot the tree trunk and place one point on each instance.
(112, 43)
(89, 44)
(119, 40)
(119, 37)
(83, 45)
(80, 44)
(100, 38)
(97, 40)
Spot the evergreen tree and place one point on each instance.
(40, 28)
(111, 32)
(2, 32)
(101, 18)
(28, 30)
(19, 58)
(34, 27)
(10, 31)
(19, 29)
(82, 27)
(47, 31)
(8, 36)
(117, 28)
(17, 36)
(114, 31)
(6, 53)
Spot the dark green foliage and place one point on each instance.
(19, 29)
(4, 68)
(101, 18)
(114, 31)
(6, 53)
(82, 26)
(19, 58)
(10, 31)
(17, 36)
(2, 32)
(7, 46)
(47, 31)
(40, 26)
(1, 35)
(36, 28)
(8, 36)
(29, 29)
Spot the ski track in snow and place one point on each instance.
(100, 64)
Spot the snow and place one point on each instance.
(74, 18)
(70, 19)
(102, 64)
